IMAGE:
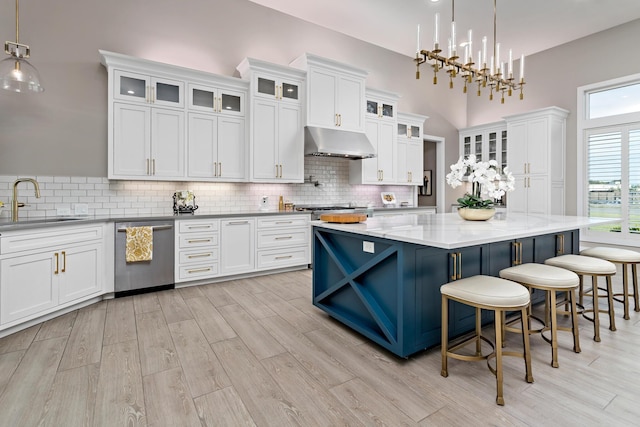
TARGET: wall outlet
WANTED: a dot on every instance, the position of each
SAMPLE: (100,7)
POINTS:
(368,247)
(81,209)
(264,202)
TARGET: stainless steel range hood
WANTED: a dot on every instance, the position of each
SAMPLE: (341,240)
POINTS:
(337,143)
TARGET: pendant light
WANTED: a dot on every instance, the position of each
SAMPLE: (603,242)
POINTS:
(16,73)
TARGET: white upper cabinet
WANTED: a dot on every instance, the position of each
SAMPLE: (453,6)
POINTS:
(148,137)
(335,93)
(277,121)
(147,89)
(210,99)
(410,150)
(487,142)
(381,132)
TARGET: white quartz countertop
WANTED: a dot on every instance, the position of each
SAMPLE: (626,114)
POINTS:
(449,231)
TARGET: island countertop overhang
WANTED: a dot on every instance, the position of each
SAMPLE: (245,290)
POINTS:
(449,231)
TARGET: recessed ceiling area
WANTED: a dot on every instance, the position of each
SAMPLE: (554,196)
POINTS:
(526,26)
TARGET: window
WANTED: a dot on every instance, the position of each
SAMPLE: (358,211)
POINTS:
(609,173)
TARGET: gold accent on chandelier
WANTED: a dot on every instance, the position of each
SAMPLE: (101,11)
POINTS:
(497,76)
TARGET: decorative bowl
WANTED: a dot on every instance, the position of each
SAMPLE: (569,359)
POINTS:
(476,214)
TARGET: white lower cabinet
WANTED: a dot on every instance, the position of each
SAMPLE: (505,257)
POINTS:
(237,240)
(42,271)
(283,241)
(197,254)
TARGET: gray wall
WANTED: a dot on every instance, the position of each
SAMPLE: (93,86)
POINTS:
(553,77)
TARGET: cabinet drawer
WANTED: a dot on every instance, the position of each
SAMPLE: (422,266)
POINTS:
(199,240)
(284,221)
(282,238)
(199,271)
(197,226)
(12,242)
(193,257)
(283,258)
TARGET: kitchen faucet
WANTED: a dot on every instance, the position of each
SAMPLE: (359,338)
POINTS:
(14,203)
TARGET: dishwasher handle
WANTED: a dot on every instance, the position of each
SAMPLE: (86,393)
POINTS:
(154,228)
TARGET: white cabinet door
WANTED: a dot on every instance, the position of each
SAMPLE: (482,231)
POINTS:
(538,194)
(81,272)
(350,106)
(232,160)
(29,285)
(145,89)
(237,246)
(265,136)
(131,140)
(167,143)
(537,146)
(322,87)
(415,162)
(403,167)
(518,149)
(387,151)
(291,142)
(517,200)
(202,146)
(370,170)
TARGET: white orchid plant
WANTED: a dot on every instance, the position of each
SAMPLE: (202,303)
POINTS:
(488,183)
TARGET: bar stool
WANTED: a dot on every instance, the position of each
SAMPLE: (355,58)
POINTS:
(594,267)
(623,257)
(550,280)
(490,293)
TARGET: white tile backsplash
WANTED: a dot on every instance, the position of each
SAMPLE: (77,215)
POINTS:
(105,197)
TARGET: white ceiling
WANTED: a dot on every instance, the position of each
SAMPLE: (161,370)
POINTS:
(525,26)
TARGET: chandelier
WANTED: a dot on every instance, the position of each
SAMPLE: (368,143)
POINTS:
(16,73)
(497,75)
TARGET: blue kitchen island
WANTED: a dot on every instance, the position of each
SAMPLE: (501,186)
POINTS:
(382,277)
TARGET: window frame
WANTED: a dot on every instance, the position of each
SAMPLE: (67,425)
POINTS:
(585,126)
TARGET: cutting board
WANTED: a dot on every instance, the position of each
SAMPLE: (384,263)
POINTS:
(343,218)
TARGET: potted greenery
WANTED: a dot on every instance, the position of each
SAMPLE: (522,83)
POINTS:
(487,183)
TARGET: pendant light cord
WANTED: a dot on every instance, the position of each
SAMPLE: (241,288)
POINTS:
(17,24)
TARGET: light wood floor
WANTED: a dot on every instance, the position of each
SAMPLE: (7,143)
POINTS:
(256,352)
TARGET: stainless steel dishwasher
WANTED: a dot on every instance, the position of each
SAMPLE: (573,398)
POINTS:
(146,276)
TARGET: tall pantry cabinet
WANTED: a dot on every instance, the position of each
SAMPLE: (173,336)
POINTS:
(536,146)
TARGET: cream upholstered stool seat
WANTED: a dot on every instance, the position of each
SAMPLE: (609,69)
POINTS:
(594,267)
(489,293)
(549,279)
(624,257)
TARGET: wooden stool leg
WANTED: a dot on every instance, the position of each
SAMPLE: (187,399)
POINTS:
(526,348)
(625,291)
(596,309)
(574,322)
(499,327)
(444,342)
(612,316)
(636,296)
(478,331)
(554,329)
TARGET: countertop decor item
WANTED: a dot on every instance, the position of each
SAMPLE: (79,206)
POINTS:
(487,185)
(388,198)
(343,218)
(16,73)
(184,202)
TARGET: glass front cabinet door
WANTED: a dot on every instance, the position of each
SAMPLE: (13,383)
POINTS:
(381,104)
(278,89)
(144,89)
(216,100)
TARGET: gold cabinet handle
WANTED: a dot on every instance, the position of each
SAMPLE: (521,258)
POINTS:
(459,265)
(560,242)
(64,262)
(219,168)
(199,270)
(277,171)
(284,238)
(153,94)
(284,257)
(199,255)
(191,227)
(215,168)
(340,119)
(238,222)
(280,171)
(454,256)
(146,94)
(335,119)
(148,170)
(57,261)
(198,240)
(284,222)
(153,166)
